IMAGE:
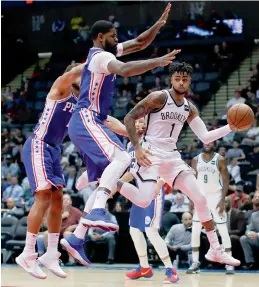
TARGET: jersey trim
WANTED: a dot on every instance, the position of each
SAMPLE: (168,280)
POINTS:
(207,161)
(175,101)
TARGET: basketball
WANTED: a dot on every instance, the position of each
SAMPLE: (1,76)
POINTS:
(240,117)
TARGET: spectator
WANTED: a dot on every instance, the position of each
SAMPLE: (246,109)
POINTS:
(250,241)
(5,136)
(180,205)
(237,99)
(12,210)
(127,86)
(8,166)
(98,236)
(119,207)
(14,191)
(157,86)
(235,151)
(253,157)
(236,223)
(239,197)
(222,151)
(193,148)
(8,91)
(252,136)
(6,181)
(234,170)
(169,219)
(179,236)
(172,197)
(70,180)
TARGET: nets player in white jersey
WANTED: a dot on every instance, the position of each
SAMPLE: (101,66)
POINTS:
(167,111)
(213,178)
(148,220)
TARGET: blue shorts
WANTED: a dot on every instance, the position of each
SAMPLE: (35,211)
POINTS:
(95,142)
(150,216)
(42,164)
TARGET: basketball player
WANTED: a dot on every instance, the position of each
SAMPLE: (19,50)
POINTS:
(97,143)
(148,220)
(167,111)
(213,179)
(41,157)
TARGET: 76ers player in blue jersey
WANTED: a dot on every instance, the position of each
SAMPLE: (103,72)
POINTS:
(86,128)
(41,157)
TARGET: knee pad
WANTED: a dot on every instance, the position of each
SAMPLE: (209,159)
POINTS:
(196,234)
(223,231)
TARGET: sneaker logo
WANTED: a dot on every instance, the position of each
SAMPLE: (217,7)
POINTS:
(144,273)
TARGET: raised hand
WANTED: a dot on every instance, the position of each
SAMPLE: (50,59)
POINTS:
(168,58)
(162,20)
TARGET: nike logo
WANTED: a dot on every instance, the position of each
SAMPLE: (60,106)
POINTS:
(144,273)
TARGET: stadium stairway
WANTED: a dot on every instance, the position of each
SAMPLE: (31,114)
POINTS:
(16,82)
(221,98)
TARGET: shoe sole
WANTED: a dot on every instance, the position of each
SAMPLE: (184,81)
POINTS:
(193,272)
(170,282)
(141,277)
(52,271)
(24,268)
(73,253)
(227,263)
(99,223)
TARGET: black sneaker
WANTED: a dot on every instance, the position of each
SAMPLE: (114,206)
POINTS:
(110,261)
(195,268)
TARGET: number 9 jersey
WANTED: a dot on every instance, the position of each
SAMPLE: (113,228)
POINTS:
(164,125)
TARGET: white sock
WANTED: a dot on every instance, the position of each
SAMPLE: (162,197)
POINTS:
(213,239)
(31,239)
(101,199)
(140,246)
(195,256)
(159,245)
(53,239)
(90,202)
(82,181)
(80,231)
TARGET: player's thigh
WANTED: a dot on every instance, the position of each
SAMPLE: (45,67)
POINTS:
(213,201)
(58,176)
(93,138)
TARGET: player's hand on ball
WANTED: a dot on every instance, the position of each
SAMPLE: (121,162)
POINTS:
(142,156)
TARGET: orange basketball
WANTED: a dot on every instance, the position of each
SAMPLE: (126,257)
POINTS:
(240,117)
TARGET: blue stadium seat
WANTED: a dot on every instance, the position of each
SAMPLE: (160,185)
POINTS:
(39,105)
(197,77)
(149,79)
(211,76)
(202,86)
(41,95)
(49,84)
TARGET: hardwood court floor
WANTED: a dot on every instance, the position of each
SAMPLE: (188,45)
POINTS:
(98,277)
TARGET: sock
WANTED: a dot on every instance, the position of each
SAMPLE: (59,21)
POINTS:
(30,243)
(159,245)
(80,231)
(101,199)
(53,239)
(140,246)
(195,256)
(213,239)
(90,202)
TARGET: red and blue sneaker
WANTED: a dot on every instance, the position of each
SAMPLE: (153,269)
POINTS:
(75,247)
(140,272)
(171,275)
(97,218)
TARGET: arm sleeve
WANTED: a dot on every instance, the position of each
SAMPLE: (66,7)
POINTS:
(198,127)
(99,62)
(119,50)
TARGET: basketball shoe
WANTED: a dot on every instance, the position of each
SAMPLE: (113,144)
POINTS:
(51,261)
(140,272)
(171,276)
(218,255)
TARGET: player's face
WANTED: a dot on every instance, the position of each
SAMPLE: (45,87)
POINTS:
(111,41)
(141,126)
(180,82)
(208,147)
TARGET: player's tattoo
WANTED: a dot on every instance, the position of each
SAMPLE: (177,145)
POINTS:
(153,101)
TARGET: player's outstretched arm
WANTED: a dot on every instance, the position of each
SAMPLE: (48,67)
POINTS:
(147,37)
(140,67)
(199,128)
(116,126)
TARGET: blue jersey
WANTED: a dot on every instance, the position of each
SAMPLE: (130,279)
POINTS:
(96,88)
(52,127)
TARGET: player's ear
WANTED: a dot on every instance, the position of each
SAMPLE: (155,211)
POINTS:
(100,37)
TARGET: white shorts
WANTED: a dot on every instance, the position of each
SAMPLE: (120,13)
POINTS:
(213,200)
(167,165)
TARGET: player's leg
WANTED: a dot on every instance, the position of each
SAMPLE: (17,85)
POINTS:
(93,138)
(196,233)
(152,224)
(187,183)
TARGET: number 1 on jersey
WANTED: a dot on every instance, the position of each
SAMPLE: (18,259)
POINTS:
(172,130)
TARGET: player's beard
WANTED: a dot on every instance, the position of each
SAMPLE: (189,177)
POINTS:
(183,92)
(111,48)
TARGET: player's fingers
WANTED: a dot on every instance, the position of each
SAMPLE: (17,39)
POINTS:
(148,152)
(148,161)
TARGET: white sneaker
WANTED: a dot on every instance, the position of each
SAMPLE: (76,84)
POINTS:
(218,255)
(30,264)
(230,270)
(52,263)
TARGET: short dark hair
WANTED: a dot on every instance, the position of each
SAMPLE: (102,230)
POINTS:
(70,67)
(101,26)
(180,68)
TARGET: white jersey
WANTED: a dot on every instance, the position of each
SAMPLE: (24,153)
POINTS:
(209,177)
(165,124)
